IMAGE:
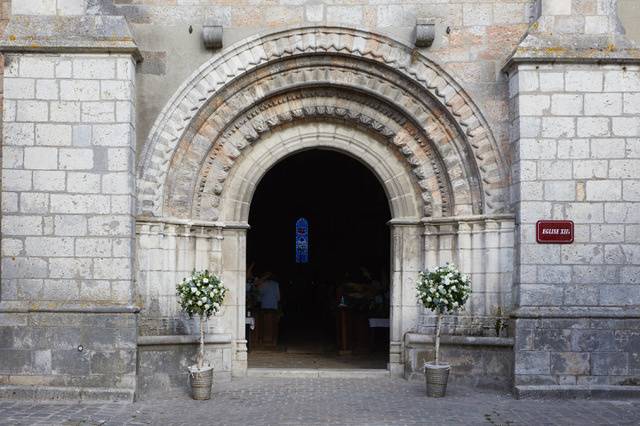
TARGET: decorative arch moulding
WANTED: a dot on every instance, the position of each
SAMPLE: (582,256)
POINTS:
(323,106)
(277,80)
(242,180)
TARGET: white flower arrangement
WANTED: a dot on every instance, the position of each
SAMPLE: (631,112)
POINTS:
(443,290)
(201,294)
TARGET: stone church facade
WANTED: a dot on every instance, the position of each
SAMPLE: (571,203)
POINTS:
(136,131)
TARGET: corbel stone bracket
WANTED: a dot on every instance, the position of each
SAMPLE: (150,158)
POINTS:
(69,34)
(212,34)
(425,32)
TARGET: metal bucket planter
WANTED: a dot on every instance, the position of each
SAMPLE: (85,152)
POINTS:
(201,380)
(437,376)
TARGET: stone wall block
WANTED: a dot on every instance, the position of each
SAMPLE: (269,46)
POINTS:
(584,81)
(552,340)
(592,340)
(72,362)
(119,362)
(581,295)
(573,363)
(21,267)
(610,363)
(14,361)
(532,363)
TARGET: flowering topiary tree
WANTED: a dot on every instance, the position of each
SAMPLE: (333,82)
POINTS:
(443,290)
(201,294)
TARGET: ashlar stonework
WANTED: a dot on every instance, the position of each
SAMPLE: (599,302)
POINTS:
(131,153)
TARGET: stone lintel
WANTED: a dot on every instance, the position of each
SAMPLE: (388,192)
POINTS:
(531,312)
(69,34)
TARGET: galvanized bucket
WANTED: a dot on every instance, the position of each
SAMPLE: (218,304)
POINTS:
(437,376)
(201,380)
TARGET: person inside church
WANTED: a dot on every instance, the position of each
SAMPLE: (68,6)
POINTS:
(269,291)
(269,317)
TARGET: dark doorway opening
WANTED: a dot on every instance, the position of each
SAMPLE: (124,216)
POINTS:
(334,309)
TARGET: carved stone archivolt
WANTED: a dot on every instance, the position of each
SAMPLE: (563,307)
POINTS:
(358,79)
(383,124)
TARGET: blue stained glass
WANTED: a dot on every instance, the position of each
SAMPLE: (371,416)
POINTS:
(302,241)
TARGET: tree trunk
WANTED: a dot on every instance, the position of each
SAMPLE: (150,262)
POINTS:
(200,357)
(438,324)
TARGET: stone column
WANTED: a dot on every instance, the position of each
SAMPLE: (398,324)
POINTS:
(234,258)
(68,203)
(575,96)
(406,261)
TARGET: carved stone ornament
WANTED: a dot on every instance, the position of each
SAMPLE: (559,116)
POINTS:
(368,82)
(425,32)
(212,34)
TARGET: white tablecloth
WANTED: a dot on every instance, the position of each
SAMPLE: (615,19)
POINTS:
(378,322)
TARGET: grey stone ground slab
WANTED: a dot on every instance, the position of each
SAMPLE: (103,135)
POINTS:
(372,401)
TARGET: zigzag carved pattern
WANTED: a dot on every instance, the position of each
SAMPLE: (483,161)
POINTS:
(379,49)
(254,129)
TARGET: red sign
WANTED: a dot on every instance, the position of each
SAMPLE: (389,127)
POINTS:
(554,231)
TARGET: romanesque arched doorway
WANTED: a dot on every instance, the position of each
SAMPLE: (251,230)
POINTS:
(378,159)
(355,92)
(320,239)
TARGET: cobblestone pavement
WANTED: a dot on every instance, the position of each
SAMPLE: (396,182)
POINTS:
(327,401)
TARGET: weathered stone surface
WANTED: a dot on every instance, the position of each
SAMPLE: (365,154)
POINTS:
(45,351)
(32,33)
(164,368)
(448,136)
(570,363)
(478,364)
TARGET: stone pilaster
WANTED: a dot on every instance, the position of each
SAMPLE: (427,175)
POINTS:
(167,251)
(406,260)
(574,87)
(68,203)
(481,246)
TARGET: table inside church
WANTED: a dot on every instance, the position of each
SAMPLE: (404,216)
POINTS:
(262,329)
(355,331)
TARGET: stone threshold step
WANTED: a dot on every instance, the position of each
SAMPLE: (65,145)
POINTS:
(306,373)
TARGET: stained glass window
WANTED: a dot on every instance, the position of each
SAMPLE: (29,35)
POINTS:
(302,241)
